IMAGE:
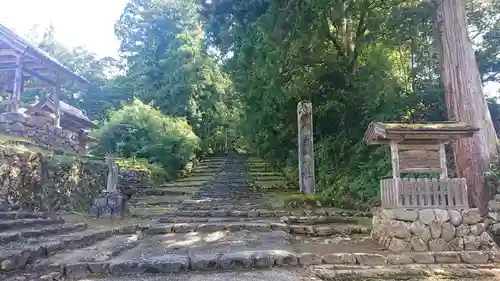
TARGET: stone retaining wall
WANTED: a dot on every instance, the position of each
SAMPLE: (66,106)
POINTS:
(41,183)
(436,230)
(40,131)
(493,218)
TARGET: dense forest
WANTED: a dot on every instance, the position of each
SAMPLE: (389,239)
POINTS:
(191,69)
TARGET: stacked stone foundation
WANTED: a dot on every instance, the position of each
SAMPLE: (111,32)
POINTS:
(39,131)
(432,230)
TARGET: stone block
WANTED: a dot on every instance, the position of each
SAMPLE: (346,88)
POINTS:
(448,257)
(340,258)
(423,258)
(370,259)
(204,262)
(77,270)
(475,257)
(236,260)
(284,258)
(263,259)
(309,259)
(166,264)
(399,259)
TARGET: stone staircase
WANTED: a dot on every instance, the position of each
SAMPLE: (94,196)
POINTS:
(28,239)
(131,183)
(214,221)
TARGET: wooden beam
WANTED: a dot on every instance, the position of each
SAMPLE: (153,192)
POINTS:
(13,65)
(9,52)
(37,86)
(18,86)
(40,77)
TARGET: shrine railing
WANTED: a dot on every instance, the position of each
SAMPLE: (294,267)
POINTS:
(424,193)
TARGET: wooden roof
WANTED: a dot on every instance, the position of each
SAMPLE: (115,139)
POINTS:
(37,63)
(66,110)
(382,133)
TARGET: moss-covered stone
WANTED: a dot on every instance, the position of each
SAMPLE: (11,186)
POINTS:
(49,183)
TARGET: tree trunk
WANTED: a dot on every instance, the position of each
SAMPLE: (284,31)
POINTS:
(464,97)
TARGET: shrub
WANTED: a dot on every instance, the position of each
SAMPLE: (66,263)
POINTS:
(141,131)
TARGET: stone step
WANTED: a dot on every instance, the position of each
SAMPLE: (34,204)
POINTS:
(241,206)
(321,230)
(15,235)
(99,252)
(23,215)
(223,213)
(20,223)
(464,272)
(18,254)
(176,219)
(134,185)
(165,191)
(158,256)
(313,220)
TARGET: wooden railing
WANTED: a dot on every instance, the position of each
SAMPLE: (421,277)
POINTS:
(424,193)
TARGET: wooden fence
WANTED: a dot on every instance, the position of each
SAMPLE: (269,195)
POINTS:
(424,193)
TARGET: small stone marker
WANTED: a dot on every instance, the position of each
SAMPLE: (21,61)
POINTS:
(306,147)
(111,203)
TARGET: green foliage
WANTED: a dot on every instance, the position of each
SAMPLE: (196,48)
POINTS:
(153,171)
(240,67)
(357,61)
(141,131)
(170,67)
(303,201)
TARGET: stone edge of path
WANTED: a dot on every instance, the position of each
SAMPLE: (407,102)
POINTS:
(277,258)
(271,212)
(314,230)
(391,272)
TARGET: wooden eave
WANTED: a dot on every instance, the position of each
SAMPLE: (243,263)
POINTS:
(36,62)
(417,133)
(68,115)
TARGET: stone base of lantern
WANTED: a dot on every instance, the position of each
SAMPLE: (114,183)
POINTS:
(434,230)
(109,206)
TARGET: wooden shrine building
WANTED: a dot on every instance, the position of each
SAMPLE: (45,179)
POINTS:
(50,122)
(25,67)
(420,149)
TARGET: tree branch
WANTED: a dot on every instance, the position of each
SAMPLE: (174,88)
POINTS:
(360,31)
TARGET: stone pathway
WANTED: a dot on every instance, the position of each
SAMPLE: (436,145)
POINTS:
(214,221)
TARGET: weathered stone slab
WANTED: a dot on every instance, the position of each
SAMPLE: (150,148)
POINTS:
(204,262)
(370,259)
(339,258)
(166,264)
(309,259)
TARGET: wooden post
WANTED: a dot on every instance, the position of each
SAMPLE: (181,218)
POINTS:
(57,92)
(225,140)
(306,147)
(442,162)
(15,96)
(395,159)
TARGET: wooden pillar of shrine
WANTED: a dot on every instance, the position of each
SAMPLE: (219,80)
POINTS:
(15,96)
(57,93)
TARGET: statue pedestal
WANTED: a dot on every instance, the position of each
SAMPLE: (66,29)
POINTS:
(109,205)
